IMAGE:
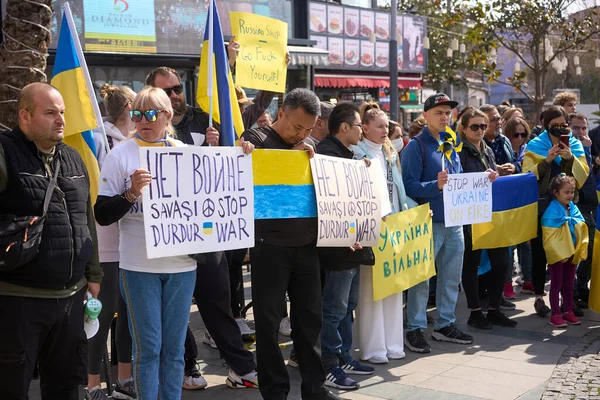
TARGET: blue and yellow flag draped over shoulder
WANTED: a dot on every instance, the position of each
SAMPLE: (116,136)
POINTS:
(71,81)
(537,151)
(225,107)
(564,236)
(594,299)
(514,213)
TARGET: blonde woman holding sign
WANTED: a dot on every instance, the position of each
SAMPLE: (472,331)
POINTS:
(380,330)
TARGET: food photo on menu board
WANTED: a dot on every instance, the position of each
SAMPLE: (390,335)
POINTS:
(367,53)
(367,23)
(336,51)
(382,54)
(335,16)
(351,21)
(352,52)
(382,26)
(321,42)
(318,17)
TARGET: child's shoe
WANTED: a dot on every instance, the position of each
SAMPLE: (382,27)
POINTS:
(571,319)
(558,321)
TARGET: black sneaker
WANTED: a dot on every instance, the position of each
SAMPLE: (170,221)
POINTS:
(541,308)
(415,341)
(496,317)
(452,334)
(507,305)
(576,310)
(124,391)
(477,320)
(581,303)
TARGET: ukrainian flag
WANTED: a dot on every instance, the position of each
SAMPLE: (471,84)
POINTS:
(594,300)
(537,151)
(564,236)
(514,211)
(225,108)
(283,185)
(72,80)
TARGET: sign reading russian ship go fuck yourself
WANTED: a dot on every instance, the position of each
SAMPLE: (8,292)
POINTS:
(349,201)
(201,199)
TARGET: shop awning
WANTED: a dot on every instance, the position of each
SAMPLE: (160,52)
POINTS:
(301,55)
(337,81)
(412,107)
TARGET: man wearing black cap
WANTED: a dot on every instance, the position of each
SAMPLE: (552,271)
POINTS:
(425,171)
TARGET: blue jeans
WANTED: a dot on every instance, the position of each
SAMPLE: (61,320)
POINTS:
(449,248)
(159,310)
(340,298)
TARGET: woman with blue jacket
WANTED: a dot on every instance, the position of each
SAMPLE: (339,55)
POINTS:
(380,329)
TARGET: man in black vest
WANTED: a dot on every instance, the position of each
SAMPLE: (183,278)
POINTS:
(41,303)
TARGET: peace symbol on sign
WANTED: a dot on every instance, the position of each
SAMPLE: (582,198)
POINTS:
(208,208)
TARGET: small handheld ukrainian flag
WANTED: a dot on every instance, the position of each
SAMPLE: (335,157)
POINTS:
(82,114)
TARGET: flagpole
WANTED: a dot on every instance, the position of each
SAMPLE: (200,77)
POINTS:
(86,74)
(209,87)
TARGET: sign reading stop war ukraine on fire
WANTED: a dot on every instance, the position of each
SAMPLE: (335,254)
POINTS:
(201,199)
(405,255)
(348,201)
(468,199)
(263,42)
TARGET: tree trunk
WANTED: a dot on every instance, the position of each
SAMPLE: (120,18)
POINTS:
(23,53)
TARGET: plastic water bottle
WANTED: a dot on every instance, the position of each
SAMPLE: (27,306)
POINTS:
(91,310)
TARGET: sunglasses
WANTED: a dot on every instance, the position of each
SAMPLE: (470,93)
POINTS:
(476,127)
(520,134)
(559,126)
(151,115)
(178,89)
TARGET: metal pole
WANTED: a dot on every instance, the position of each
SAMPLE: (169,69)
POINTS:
(394,65)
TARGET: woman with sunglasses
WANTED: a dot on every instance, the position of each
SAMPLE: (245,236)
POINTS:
(158,292)
(553,152)
(476,156)
(118,127)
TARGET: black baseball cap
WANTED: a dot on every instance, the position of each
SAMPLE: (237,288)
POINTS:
(439,99)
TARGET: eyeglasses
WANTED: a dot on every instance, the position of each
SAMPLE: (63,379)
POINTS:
(559,126)
(178,89)
(520,134)
(579,128)
(151,115)
(476,127)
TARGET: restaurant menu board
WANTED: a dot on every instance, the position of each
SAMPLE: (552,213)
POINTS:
(382,55)
(382,26)
(321,41)
(351,21)
(358,38)
(156,26)
(415,57)
(352,52)
(335,18)
(367,23)
(336,51)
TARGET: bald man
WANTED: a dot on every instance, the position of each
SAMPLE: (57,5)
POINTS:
(41,302)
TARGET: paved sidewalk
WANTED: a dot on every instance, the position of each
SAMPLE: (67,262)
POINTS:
(502,363)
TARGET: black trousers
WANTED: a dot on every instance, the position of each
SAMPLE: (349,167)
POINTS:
(236,280)
(214,303)
(538,262)
(295,269)
(500,261)
(112,301)
(46,332)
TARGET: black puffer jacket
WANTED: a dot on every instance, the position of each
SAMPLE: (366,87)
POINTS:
(474,160)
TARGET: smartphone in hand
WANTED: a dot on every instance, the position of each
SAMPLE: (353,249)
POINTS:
(564,141)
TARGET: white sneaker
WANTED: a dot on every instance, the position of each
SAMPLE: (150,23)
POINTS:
(208,340)
(285,327)
(519,281)
(244,328)
(234,381)
(192,380)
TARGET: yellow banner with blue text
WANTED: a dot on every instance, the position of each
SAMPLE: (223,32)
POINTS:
(404,256)
(263,43)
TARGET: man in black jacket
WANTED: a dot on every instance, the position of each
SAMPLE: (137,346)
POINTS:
(41,302)
(340,294)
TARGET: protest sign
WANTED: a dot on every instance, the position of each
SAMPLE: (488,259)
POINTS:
(201,199)
(404,255)
(263,42)
(467,199)
(348,201)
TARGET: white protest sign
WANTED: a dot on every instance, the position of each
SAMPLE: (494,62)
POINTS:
(467,199)
(348,201)
(201,199)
